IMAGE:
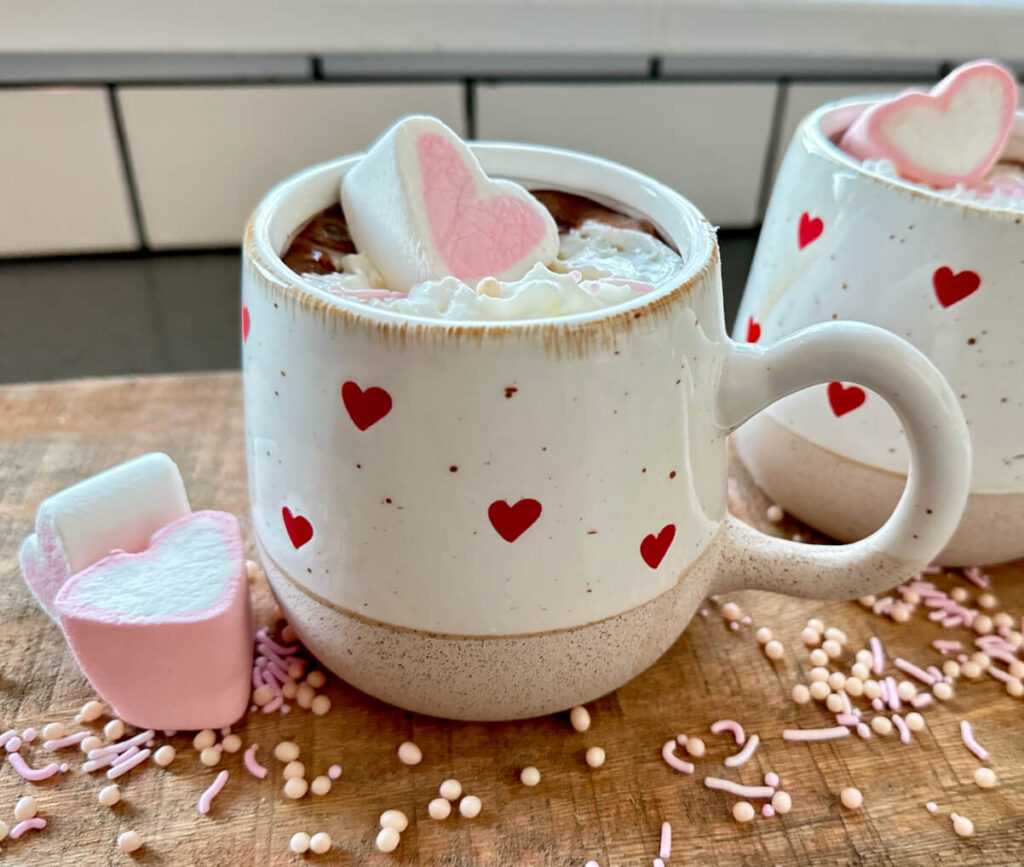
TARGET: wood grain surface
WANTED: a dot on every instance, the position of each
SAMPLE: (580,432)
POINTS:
(53,435)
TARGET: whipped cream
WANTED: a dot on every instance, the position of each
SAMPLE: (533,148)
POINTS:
(597,266)
(1002,188)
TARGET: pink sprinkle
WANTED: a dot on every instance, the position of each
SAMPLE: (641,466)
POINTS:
(736,789)
(878,654)
(961,658)
(273,704)
(914,671)
(968,738)
(121,746)
(638,286)
(6,736)
(974,576)
(864,730)
(704,612)
(681,740)
(731,726)
(279,672)
(932,807)
(828,734)
(257,677)
(334,771)
(207,797)
(286,708)
(955,620)
(921,700)
(932,570)
(746,620)
(668,753)
(13,745)
(767,810)
(254,767)
(894,696)
(901,726)
(883,606)
(33,775)
(744,754)
(877,704)
(270,680)
(935,672)
(734,626)
(101,762)
(846,719)
(944,646)
(1001,655)
(847,708)
(576,276)
(657,862)
(271,655)
(715,597)
(29,735)
(126,766)
(69,741)
(284,650)
(1000,675)
(36,823)
(771,779)
(666,840)
(127,754)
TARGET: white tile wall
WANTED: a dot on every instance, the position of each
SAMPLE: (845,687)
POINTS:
(706,140)
(62,185)
(203,157)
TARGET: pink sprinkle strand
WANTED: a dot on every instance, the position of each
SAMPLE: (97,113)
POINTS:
(207,797)
(894,695)
(968,738)
(731,726)
(877,654)
(8,735)
(744,754)
(973,575)
(29,735)
(666,840)
(914,671)
(901,726)
(864,730)
(921,700)
(274,704)
(121,746)
(33,775)
(69,741)
(123,757)
(736,789)
(944,646)
(829,734)
(667,753)
(251,765)
(126,766)
(34,824)
(846,719)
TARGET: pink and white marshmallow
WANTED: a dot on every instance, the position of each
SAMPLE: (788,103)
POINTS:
(165,635)
(951,135)
(419,205)
(118,509)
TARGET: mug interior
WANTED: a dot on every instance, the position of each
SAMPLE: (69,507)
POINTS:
(823,127)
(290,204)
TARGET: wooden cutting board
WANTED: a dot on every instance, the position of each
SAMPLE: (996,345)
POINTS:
(53,435)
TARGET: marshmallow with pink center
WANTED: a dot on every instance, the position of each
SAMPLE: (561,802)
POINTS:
(165,635)
(952,135)
(117,509)
(420,207)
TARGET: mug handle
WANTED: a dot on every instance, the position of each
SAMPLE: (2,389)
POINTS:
(940,461)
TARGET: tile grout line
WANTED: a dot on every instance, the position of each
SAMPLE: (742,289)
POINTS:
(127,167)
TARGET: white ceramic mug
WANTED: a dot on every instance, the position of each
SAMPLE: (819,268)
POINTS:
(488,521)
(840,243)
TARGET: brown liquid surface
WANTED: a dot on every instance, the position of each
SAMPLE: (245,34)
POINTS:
(319,245)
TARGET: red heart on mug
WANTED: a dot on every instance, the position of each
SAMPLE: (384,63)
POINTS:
(653,548)
(512,521)
(365,408)
(950,287)
(809,230)
(299,530)
(753,330)
(245,323)
(844,399)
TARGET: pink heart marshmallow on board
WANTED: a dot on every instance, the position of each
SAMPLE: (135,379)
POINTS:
(952,135)
(165,635)
(419,205)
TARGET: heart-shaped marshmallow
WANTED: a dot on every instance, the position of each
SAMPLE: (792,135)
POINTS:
(419,205)
(952,135)
(118,508)
(165,636)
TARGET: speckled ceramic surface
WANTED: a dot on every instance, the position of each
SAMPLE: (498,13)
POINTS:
(839,243)
(528,489)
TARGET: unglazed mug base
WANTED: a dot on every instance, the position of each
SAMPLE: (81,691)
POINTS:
(454,676)
(857,498)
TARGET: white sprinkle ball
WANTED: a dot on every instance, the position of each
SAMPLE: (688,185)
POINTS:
(321,785)
(951,668)
(985,778)
(867,601)
(837,680)
(1014,687)
(942,691)
(982,658)
(388,839)
(579,716)
(288,634)
(914,721)
(782,802)
(1003,620)
(835,703)
(818,657)
(854,687)
(113,730)
(811,637)
(286,751)
(881,725)
(774,650)
(90,743)
(982,624)
(439,808)
(987,600)
(470,806)
(864,656)
(320,843)
(294,770)
(963,826)
(321,704)
(109,795)
(851,798)
(595,757)
(409,753)
(26,808)
(295,670)
(1017,668)
(394,819)
(763,635)
(860,671)
(53,731)
(290,689)
(801,694)
(165,755)
(299,843)
(731,611)
(296,787)
(529,776)
(261,696)
(900,613)
(129,841)
(832,647)
(316,679)
(819,672)
(834,634)
(872,689)
(743,811)
(4,830)
(231,743)
(695,747)
(906,690)
(450,790)
(820,690)
(210,756)
(960,594)
(774,513)
(971,670)
(304,696)
(91,710)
